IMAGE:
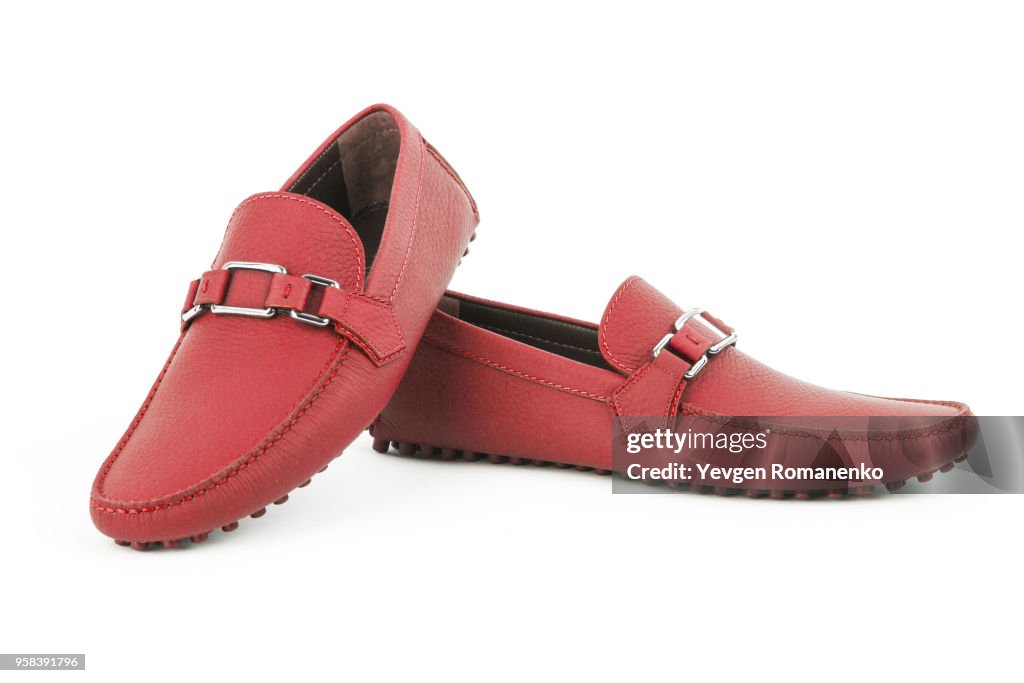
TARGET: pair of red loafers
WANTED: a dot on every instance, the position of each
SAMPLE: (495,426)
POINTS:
(325,313)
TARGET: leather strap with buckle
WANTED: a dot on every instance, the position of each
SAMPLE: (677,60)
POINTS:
(696,342)
(367,322)
(655,389)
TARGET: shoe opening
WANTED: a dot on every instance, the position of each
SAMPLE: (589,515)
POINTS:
(354,176)
(562,337)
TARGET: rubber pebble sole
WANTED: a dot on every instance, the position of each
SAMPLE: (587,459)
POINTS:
(176,542)
(199,538)
(409,449)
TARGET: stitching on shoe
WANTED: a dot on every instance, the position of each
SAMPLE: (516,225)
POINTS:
(605,322)
(232,472)
(348,151)
(347,229)
(962,410)
(494,328)
(313,163)
(415,223)
(676,379)
(365,344)
(320,179)
(454,176)
(690,410)
(668,411)
(630,382)
(344,154)
(512,371)
(333,143)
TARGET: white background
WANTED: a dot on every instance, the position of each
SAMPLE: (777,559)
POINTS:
(839,181)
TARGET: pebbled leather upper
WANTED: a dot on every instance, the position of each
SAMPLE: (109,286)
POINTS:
(233,378)
(733,382)
(634,319)
(246,408)
(509,389)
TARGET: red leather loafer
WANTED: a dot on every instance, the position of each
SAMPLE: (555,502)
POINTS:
(508,383)
(295,339)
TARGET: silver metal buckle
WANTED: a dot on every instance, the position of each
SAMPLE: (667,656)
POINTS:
(309,318)
(244,310)
(192,312)
(713,350)
(269,312)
